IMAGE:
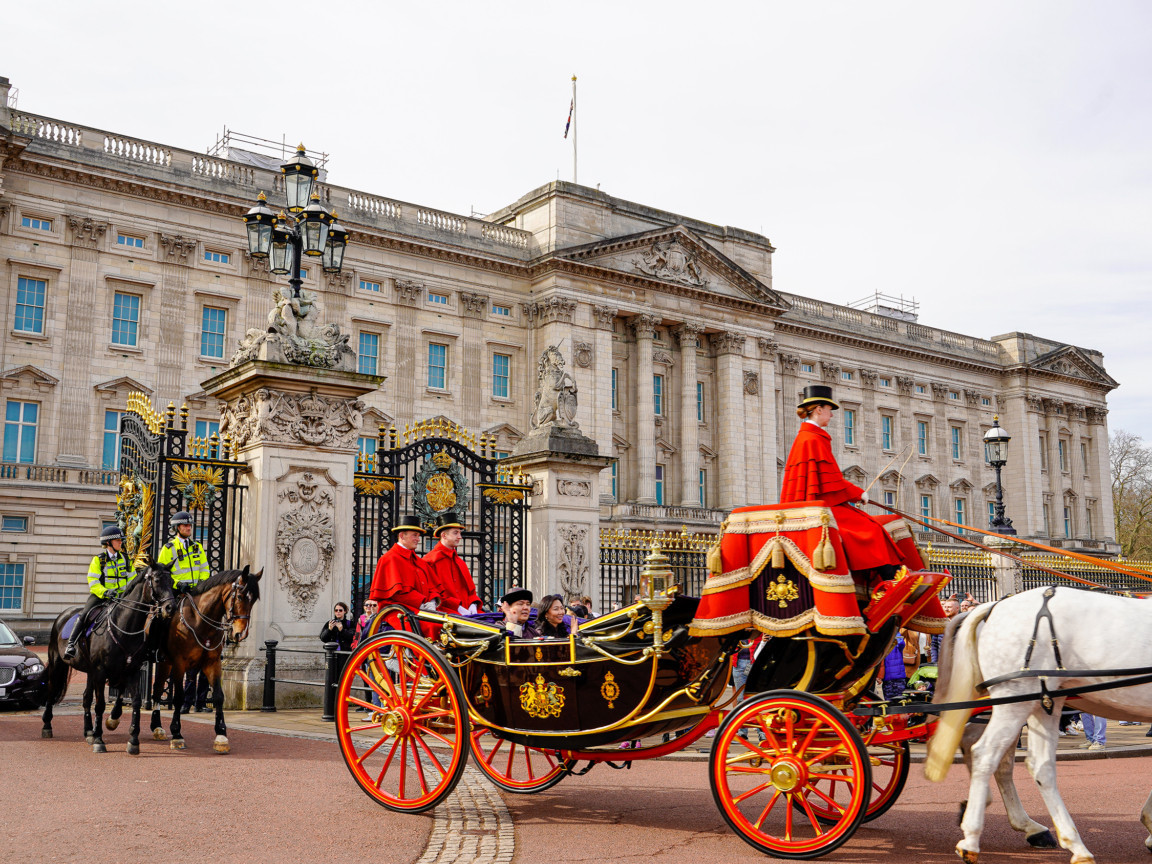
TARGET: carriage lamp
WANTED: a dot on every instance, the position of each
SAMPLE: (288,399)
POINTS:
(996,453)
(279,260)
(260,221)
(300,175)
(655,591)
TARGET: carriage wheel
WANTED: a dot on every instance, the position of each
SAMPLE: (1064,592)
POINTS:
(514,767)
(764,788)
(409,752)
(889,774)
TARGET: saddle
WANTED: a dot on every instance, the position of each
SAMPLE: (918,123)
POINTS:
(95,619)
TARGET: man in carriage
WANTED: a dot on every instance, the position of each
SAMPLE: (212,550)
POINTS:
(449,570)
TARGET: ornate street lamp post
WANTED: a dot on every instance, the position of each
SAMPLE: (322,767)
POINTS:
(311,230)
(996,453)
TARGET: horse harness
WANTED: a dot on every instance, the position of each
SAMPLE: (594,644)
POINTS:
(222,626)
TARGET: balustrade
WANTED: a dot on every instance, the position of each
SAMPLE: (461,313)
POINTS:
(137,151)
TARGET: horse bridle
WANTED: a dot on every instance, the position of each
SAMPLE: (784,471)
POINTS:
(222,626)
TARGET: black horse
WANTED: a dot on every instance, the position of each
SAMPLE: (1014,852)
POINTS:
(125,632)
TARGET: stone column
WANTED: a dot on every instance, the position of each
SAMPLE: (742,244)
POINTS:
(408,343)
(730,418)
(604,320)
(644,326)
(789,422)
(474,358)
(296,427)
(769,488)
(687,334)
(1100,473)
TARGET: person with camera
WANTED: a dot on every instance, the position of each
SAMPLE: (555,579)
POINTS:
(339,628)
(108,576)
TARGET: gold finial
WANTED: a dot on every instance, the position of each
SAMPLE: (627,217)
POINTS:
(262,197)
(214,446)
(392,437)
(183,416)
(171,415)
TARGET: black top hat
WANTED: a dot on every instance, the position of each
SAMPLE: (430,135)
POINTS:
(408,523)
(446,520)
(517,594)
(817,394)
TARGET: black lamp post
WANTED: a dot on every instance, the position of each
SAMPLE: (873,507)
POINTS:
(311,229)
(996,453)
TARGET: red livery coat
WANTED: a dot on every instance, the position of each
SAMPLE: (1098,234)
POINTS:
(402,577)
(812,474)
(452,577)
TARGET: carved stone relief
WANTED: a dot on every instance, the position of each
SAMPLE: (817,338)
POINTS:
(573,488)
(177,247)
(661,356)
(768,347)
(473,305)
(86,231)
(256,266)
(305,541)
(294,335)
(688,334)
(1053,406)
(582,354)
(1035,403)
(554,309)
(972,397)
(672,262)
(1097,415)
(408,291)
(789,363)
(573,564)
(728,343)
(751,383)
(643,325)
(939,391)
(830,372)
(904,383)
(339,283)
(273,416)
(604,317)
(555,400)
(868,377)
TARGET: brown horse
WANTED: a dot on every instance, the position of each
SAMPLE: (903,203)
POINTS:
(206,618)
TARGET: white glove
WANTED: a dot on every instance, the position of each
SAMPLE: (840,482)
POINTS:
(472,610)
(429,606)
(463,610)
(863,497)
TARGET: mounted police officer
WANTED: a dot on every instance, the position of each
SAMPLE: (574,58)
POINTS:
(187,556)
(108,576)
(189,562)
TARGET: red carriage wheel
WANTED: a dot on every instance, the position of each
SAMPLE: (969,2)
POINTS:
(514,767)
(409,751)
(889,774)
(773,755)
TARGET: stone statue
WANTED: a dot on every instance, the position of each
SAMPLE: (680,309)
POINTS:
(555,403)
(295,335)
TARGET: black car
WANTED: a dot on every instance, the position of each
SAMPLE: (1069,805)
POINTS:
(22,673)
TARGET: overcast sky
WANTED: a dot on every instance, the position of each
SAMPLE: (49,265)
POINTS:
(990,159)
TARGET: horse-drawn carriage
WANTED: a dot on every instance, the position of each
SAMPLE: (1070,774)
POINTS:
(792,770)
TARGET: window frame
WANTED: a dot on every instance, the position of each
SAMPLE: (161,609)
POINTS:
(923,437)
(658,394)
(377,287)
(438,298)
(956,442)
(135,324)
(506,377)
(501,310)
(222,258)
(21,424)
(700,403)
(46,223)
(849,427)
(223,334)
(887,432)
(21,589)
(17,306)
(104,441)
(138,241)
(443,385)
(360,354)
(659,485)
(615,389)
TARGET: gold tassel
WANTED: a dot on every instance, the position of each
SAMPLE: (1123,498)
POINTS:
(818,556)
(829,556)
(715,564)
(777,553)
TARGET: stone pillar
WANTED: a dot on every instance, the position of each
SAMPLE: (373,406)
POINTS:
(789,422)
(730,418)
(475,358)
(604,320)
(769,491)
(564,522)
(644,326)
(688,334)
(1009,578)
(297,429)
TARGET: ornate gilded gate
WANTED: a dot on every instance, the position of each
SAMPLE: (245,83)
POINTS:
(438,469)
(164,470)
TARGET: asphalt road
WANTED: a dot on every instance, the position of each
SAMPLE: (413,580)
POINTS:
(283,799)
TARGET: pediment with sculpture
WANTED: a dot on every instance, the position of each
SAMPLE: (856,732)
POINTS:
(1072,362)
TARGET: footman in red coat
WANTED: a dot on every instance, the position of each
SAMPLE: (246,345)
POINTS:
(457,590)
(401,576)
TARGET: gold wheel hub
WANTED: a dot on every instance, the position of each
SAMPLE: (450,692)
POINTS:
(787,775)
(393,722)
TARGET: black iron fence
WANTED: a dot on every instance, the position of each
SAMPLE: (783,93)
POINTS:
(622,555)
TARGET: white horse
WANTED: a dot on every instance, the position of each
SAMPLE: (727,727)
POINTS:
(1086,631)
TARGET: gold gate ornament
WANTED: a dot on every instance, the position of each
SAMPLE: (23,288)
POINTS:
(441,492)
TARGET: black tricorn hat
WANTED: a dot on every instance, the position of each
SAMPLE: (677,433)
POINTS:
(817,394)
(447,520)
(517,594)
(408,523)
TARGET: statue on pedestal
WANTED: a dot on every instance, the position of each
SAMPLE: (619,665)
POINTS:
(555,403)
(295,335)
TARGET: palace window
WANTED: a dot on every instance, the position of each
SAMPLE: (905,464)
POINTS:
(847,376)
(922,437)
(991,511)
(890,498)
(920,388)
(501,371)
(658,395)
(366,445)
(1088,522)
(984,400)
(957,441)
(885,432)
(885,382)
(849,427)
(703,487)
(1043,452)
(1062,452)
(925,506)
(368,354)
(1084,457)
(217,257)
(30,305)
(807,367)
(205,429)
(20,420)
(615,474)
(615,379)
(660,485)
(437,366)
(130,241)
(437,298)
(953,394)
(212,328)
(369,285)
(14,524)
(699,401)
(36,223)
(110,459)
(960,514)
(1047,520)
(11,586)
(125,319)
(1067,521)
(505,311)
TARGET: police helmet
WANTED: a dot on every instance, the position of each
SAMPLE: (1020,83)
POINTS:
(181,518)
(112,532)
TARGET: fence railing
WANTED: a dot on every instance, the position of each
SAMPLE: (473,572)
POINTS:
(28,472)
(622,555)
(972,572)
(1033,577)
(334,661)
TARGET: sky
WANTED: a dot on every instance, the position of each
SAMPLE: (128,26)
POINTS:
(989,159)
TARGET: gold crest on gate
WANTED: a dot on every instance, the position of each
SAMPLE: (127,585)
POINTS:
(540,699)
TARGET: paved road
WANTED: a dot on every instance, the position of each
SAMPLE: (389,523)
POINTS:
(279,798)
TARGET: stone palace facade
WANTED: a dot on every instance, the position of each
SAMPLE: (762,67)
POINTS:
(125,268)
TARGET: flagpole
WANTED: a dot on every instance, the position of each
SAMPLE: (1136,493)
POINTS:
(574,125)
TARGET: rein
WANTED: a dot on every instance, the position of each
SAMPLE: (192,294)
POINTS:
(222,626)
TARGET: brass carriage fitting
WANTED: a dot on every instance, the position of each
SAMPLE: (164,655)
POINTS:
(655,593)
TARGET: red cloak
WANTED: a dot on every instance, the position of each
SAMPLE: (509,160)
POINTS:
(812,474)
(451,576)
(402,577)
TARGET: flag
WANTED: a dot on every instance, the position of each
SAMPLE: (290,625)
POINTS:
(568,125)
